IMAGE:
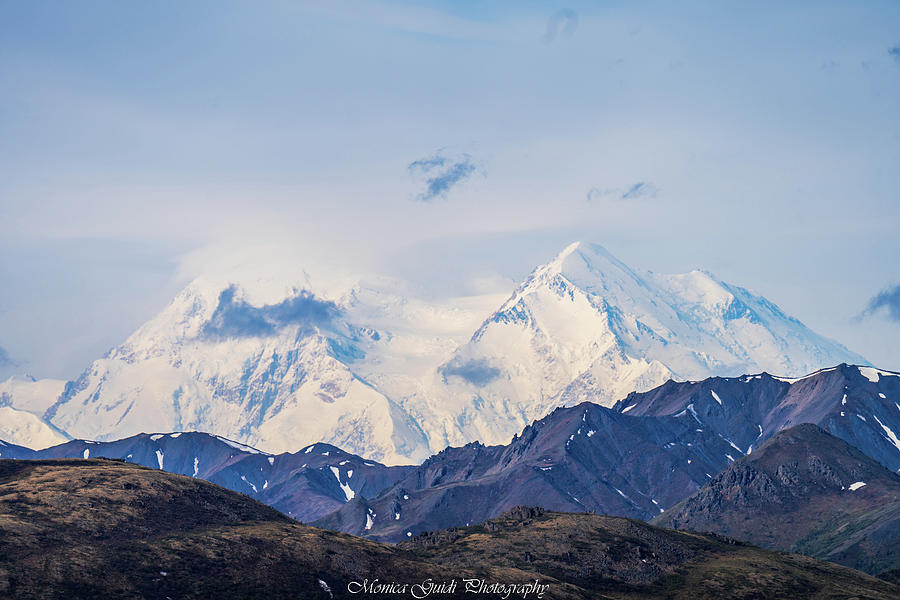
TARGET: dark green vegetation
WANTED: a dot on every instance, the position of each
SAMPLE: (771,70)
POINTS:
(106,529)
(796,493)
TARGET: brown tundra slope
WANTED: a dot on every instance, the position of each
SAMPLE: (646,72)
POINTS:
(106,529)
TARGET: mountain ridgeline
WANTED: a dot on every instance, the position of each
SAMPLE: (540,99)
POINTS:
(396,378)
(640,457)
(860,405)
(305,485)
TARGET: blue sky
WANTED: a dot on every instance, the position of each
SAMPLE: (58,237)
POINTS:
(756,140)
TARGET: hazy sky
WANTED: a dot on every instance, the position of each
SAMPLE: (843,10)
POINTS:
(454,143)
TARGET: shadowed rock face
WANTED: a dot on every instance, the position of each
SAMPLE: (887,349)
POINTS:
(306,485)
(584,458)
(8,450)
(860,405)
(646,454)
(807,491)
(106,529)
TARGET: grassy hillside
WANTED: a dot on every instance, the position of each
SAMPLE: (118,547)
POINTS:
(624,558)
(105,529)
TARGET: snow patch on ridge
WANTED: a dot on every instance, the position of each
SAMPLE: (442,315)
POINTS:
(889,432)
(244,479)
(349,494)
(239,446)
(869,373)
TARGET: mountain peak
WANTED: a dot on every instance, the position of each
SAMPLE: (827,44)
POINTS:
(802,490)
(248,355)
(590,267)
(584,251)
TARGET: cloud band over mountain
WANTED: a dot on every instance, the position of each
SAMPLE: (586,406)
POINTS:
(235,318)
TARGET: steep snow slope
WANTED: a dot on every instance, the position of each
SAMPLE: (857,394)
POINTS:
(587,327)
(280,361)
(30,394)
(272,365)
(23,401)
(25,429)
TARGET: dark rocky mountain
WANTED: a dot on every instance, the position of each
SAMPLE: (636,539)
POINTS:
(860,405)
(306,485)
(8,450)
(646,454)
(98,528)
(807,491)
(584,458)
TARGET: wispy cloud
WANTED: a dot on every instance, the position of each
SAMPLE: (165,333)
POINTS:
(562,23)
(895,53)
(889,300)
(235,318)
(636,191)
(441,174)
(641,189)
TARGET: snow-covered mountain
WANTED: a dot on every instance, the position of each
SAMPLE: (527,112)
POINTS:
(280,362)
(23,402)
(586,327)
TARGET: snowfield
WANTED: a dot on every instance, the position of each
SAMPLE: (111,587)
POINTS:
(279,363)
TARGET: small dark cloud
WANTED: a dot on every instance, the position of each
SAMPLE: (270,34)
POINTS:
(889,300)
(441,174)
(235,318)
(895,54)
(477,372)
(5,360)
(641,189)
(562,23)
